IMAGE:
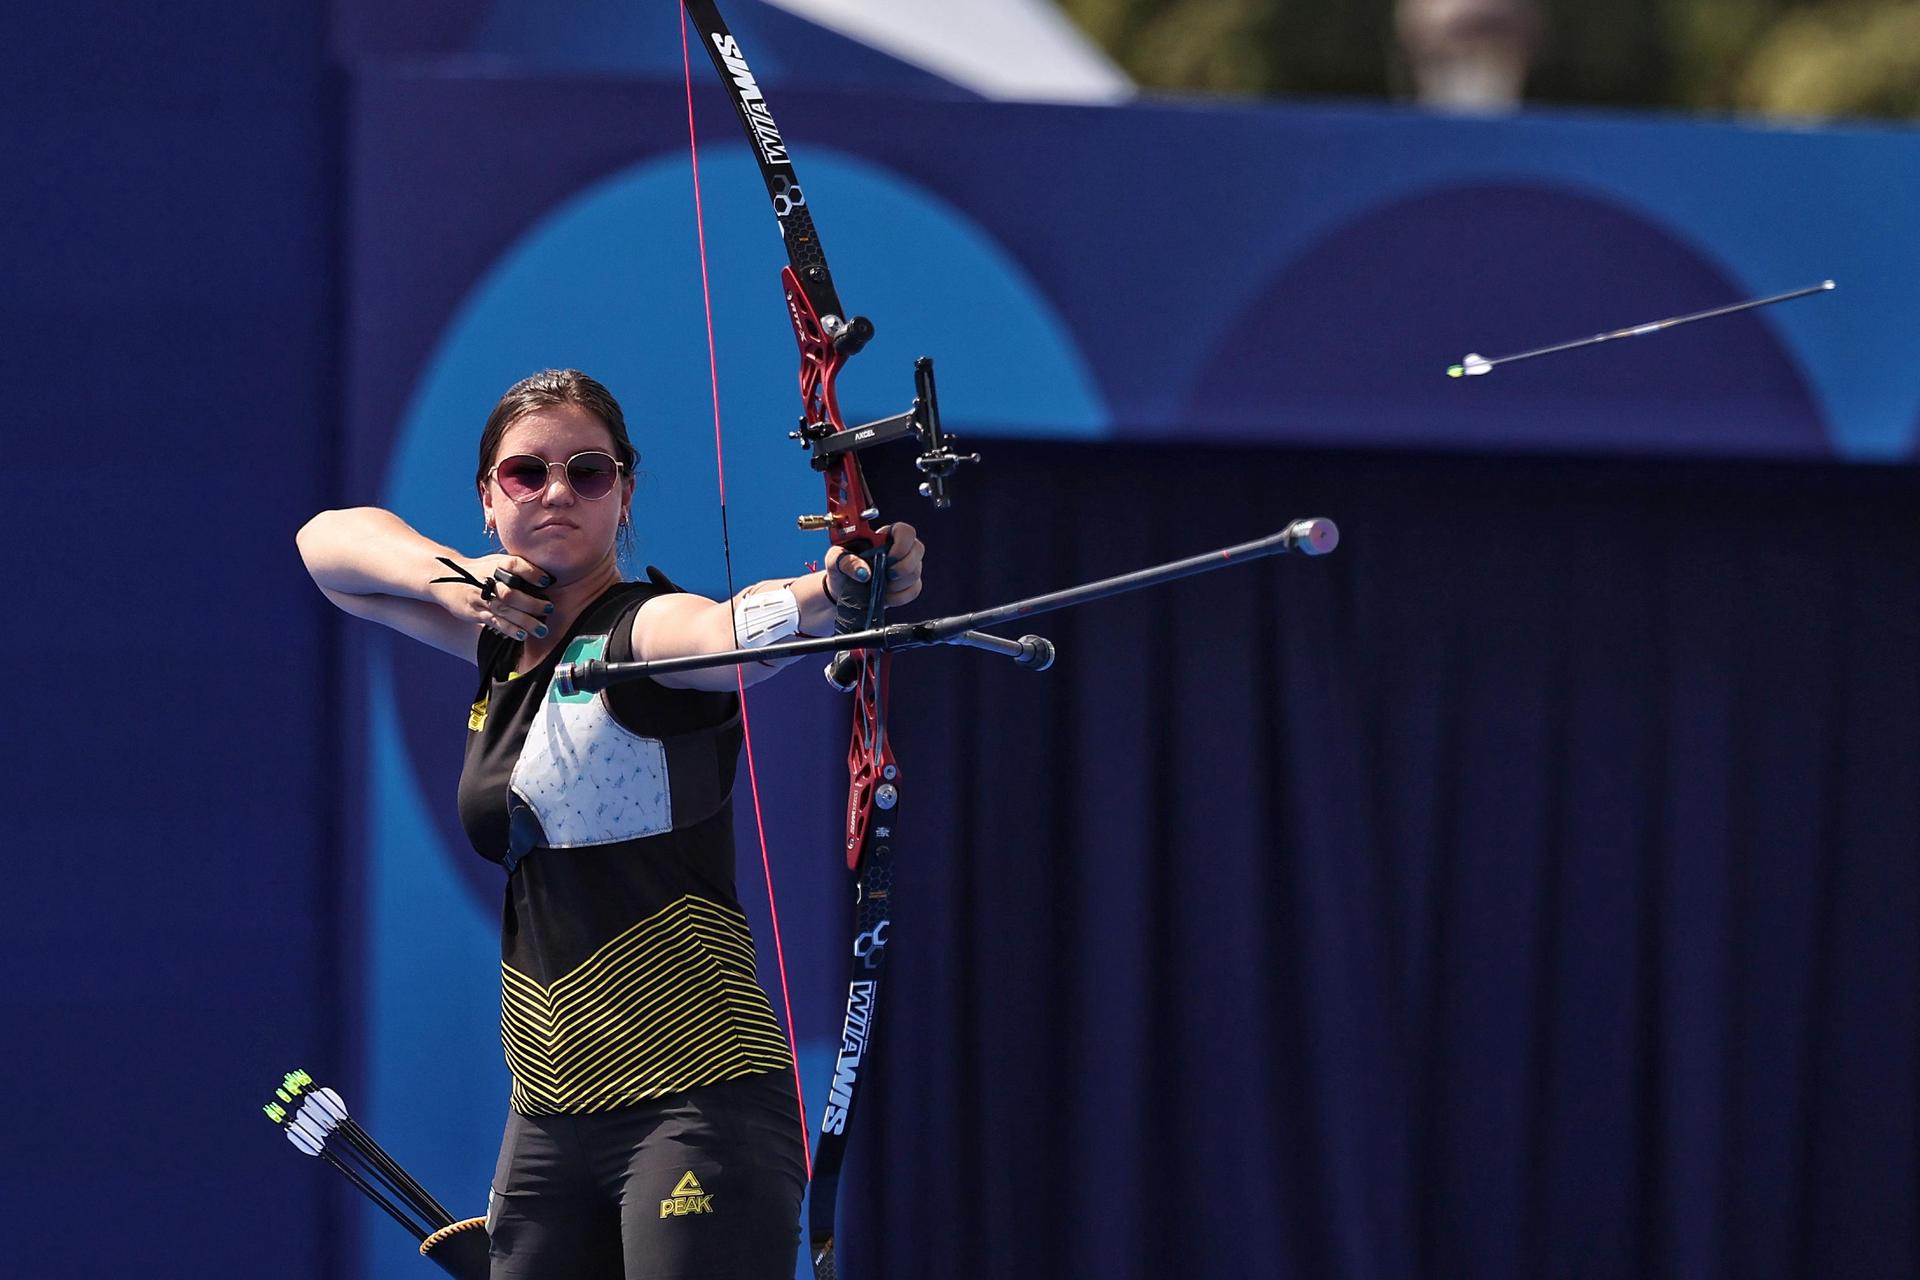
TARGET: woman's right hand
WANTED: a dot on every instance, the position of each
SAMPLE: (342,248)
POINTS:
(372,565)
(509,611)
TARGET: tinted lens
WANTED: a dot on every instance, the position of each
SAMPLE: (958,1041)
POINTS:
(592,474)
(522,477)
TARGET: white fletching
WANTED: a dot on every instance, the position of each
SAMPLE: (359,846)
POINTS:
(1476,364)
(315,1117)
(313,1126)
(324,1108)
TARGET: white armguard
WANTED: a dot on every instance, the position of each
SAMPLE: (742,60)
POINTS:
(763,617)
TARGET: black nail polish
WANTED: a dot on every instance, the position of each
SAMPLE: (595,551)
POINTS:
(549,611)
(546,579)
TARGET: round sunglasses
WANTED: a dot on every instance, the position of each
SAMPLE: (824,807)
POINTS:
(523,477)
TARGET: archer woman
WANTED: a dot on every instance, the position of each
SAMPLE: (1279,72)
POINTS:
(652,1127)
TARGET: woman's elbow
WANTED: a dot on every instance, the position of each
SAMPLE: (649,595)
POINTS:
(313,539)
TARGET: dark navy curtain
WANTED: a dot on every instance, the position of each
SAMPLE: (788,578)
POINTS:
(1529,888)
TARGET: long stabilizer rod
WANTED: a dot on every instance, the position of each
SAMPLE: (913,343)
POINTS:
(1313,536)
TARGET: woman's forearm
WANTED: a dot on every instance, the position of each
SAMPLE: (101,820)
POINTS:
(679,626)
(365,551)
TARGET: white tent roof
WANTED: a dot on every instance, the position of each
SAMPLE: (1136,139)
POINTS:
(1024,50)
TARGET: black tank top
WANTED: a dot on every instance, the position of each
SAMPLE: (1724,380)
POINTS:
(627,967)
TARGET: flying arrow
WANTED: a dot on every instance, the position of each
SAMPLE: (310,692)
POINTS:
(1474,365)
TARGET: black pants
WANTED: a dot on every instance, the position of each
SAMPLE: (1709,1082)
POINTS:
(702,1185)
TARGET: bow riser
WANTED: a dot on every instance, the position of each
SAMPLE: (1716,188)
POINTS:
(850,509)
(850,515)
(873,778)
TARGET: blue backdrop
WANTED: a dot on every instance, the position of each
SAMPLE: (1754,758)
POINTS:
(174,939)
(1523,889)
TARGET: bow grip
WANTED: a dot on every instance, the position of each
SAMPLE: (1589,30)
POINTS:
(860,609)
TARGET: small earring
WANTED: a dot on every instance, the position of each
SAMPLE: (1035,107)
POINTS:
(625,521)
(491,535)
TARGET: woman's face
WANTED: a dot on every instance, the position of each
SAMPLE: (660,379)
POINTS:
(559,530)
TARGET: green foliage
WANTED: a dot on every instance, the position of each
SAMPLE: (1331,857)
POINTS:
(1810,58)
(1859,59)
(1246,47)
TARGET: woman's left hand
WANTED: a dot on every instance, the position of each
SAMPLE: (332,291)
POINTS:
(905,552)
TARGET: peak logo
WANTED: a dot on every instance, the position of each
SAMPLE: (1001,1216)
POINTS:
(687,1198)
(753,106)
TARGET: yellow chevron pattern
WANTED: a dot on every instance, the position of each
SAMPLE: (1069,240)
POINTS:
(670,1004)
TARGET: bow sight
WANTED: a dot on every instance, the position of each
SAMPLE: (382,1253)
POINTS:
(937,460)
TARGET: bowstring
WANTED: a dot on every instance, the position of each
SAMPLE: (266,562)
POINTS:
(726,548)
